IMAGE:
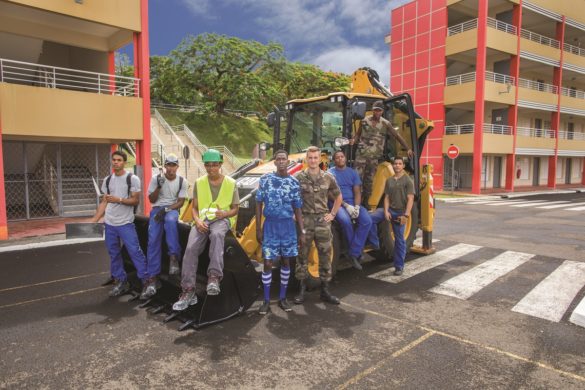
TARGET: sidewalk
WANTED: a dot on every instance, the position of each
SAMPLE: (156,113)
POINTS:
(462,196)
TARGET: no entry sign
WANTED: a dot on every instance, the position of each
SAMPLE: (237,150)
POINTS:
(452,152)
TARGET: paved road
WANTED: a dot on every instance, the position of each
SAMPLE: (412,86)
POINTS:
(431,328)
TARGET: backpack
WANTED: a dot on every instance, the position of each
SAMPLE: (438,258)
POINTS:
(180,184)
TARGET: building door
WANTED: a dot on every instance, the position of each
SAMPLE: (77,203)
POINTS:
(568,170)
(538,127)
(570,130)
(536,172)
(497,171)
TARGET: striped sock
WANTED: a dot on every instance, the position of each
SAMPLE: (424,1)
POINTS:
(284,275)
(266,280)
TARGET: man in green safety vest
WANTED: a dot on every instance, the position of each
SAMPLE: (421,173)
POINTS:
(215,206)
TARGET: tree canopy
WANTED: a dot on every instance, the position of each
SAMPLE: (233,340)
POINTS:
(229,72)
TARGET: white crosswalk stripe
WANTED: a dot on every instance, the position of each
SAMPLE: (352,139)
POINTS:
(468,283)
(565,205)
(425,263)
(556,206)
(551,298)
(576,209)
(539,203)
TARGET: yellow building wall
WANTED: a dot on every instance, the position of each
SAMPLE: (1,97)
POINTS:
(534,142)
(118,13)
(533,95)
(501,41)
(572,102)
(460,93)
(461,42)
(497,143)
(573,59)
(564,7)
(61,115)
(500,93)
(571,144)
(539,49)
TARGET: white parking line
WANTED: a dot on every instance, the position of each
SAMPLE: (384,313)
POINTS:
(576,209)
(539,204)
(551,298)
(468,283)
(425,263)
(557,206)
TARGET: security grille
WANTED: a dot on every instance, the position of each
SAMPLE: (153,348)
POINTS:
(44,180)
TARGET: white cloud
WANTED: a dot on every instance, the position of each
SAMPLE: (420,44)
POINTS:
(348,59)
(199,7)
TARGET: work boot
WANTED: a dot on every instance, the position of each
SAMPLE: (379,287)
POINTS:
(300,298)
(213,285)
(174,268)
(355,263)
(264,308)
(186,299)
(149,288)
(284,305)
(397,271)
(326,295)
(120,287)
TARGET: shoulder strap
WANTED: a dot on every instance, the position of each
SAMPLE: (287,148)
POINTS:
(108,184)
(180,185)
(129,182)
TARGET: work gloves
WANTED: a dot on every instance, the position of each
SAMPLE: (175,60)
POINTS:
(160,180)
(353,211)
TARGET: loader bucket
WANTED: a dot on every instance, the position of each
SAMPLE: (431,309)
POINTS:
(240,285)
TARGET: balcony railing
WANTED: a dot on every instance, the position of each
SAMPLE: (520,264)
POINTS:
(536,133)
(462,27)
(497,129)
(502,26)
(534,37)
(538,86)
(499,78)
(572,135)
(574,49)
(460,79)
(37,75)
(470,129)
(573,93)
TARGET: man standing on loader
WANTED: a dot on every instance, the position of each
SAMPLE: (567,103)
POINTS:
(280,196)
(166,192)
(370,138)
(122,191)
(215,206)
(316,187)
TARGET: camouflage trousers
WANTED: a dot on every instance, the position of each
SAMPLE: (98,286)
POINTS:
(366,169)
(318,230)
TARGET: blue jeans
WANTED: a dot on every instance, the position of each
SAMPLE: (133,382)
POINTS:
(356,239)
(127,234)
(399,253)
(170,225)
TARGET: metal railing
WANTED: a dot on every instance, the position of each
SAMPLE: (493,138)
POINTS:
(200,146)
(462,27)
(201,108)
(502,26)
(499,78)
(231,158)
(573,93)
(497,129)
(38,75)
(534,37)
(571,135)
(470,129)
(535,133)
(538,86)
(460,79)
(459,129)
(574,49)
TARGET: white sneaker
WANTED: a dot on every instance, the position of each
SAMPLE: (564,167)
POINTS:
(186,299)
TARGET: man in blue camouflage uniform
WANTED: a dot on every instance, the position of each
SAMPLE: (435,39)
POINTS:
(371,138)
(280,197)
(316,188)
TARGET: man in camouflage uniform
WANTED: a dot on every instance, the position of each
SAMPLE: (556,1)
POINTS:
(316,188)
(370,138)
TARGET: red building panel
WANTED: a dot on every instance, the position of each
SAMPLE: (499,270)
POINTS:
(423,41)
(423,24)
(422,78)
(410,11)
(410,29)
(409,47)
(408,64)
(422,60)
(396,67)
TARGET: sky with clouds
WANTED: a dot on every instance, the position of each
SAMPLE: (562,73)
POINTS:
(337,35)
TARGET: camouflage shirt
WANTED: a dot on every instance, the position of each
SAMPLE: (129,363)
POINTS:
(315,191)
(373,137)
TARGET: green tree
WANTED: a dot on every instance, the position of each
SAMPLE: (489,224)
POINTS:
(228,71)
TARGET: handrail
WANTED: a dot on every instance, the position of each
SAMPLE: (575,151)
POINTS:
(470,129)
(20,72)
(497,129)
(573,93)
(538,86)
(571,135)
(462,27)
(233,160)
(459,129)
(460,79)
(574,49)
(534,37)
(535,133)
(499,78)
(200,146)
(502,26)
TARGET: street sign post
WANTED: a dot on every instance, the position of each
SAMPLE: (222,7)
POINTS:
(452,153)
(186,155)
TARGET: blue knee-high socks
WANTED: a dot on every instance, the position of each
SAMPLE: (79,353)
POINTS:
(284,275)
(266,280)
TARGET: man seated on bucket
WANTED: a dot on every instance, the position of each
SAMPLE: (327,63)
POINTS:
(166,192)
(215,206)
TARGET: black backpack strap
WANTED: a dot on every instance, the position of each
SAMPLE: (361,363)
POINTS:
(180,185)
(129,182)
(108,184)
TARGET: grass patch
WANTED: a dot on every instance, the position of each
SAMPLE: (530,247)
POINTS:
(238,134)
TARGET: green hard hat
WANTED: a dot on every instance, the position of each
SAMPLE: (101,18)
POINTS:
(212,155)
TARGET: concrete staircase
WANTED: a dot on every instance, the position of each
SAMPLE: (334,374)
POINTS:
(78,196)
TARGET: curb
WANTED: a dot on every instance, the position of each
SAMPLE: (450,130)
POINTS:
(510,195)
